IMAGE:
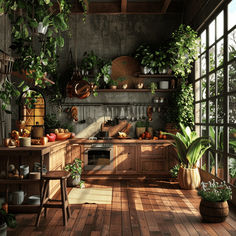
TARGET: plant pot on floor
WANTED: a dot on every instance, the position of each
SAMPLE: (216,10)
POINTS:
(189,178)
(214,212)
(3,229)
(73,182)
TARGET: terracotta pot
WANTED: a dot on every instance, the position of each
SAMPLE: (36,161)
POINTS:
(189,178)
(214,212)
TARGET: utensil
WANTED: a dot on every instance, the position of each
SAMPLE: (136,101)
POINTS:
(89,119)
(144,112)
(82,121)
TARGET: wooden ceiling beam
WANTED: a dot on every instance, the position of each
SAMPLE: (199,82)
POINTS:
(123,6)
(165,6)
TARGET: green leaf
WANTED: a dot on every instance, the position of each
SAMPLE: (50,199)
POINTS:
(46,20)
(60,41)
(21,84)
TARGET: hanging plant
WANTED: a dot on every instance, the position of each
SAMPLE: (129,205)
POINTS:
(183,50)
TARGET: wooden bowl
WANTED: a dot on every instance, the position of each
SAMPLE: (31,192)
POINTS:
(63,136)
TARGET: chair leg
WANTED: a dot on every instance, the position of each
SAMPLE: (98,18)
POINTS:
(66,197)
(63,201)
(45,188)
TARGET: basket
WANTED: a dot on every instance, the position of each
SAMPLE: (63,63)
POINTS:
(6,63)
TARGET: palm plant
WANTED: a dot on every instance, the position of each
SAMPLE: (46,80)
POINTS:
(190,148)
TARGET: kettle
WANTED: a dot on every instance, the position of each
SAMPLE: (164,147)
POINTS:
(37,131)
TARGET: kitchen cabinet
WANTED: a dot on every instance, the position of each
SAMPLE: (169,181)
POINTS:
(126,159)
(153,158)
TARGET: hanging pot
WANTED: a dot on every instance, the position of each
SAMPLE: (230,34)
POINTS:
(78,87)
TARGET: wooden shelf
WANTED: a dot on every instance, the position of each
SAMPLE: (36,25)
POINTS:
(134,90)
(18,181)
(23,208)
(159,76)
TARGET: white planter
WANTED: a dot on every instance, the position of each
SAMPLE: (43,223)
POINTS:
(42,29)
(164,85)
(145,70)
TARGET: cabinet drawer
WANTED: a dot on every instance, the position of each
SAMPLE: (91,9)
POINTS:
(153,150)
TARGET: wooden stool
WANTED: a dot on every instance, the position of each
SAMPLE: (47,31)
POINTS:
(48,203)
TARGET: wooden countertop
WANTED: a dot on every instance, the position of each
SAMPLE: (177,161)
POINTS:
(124,141)
(37,149)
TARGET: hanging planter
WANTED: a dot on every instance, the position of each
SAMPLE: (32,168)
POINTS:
(42,29)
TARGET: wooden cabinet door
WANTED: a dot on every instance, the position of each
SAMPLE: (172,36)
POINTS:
(153,158)
(126,159)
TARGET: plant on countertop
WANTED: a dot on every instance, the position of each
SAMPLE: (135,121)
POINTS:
(183,50)
(7,218)
(215,192)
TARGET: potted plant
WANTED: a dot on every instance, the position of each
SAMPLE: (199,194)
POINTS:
(75,170)
(190,149)
(145,57)
(214,207)
(183,50)
(6,220)
(153,87)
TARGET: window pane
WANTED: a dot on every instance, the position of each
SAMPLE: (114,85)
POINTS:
(232,170)
(220,170)
(232,76)
(197,90)
(212,88)
(197,69)
(232,45)
(203,112)
(212,111)
(203,64)
(220,110)
(231,14)
(203,131)
(203,88)
(203,41)
(220,53)
(220,25)
(212,58)
(212,33)
(197,113)
(220,81)
(232,109)
(212,162)
(232,140)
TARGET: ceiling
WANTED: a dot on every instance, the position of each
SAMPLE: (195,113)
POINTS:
(131,6)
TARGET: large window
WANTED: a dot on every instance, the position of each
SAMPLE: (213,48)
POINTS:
(215,92)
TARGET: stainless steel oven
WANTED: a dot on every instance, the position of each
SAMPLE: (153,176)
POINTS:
(98,156)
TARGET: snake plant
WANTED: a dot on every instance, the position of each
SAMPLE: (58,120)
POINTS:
(190,148)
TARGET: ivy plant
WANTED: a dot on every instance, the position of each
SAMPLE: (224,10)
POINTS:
(183,50)
(185,105)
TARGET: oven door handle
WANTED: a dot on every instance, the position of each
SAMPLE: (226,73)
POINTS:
(97,149)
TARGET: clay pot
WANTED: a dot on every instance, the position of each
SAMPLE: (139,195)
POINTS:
(189,178)
(214,212)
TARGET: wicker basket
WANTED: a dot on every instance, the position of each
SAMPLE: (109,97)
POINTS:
(6,63)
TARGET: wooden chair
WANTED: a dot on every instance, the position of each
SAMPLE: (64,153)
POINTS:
(52,203)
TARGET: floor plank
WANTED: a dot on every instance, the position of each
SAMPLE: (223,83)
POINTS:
(147,207)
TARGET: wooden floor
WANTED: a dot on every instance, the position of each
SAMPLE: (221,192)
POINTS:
(138,208)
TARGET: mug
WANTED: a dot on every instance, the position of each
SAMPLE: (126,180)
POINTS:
(24,170)
(18,197)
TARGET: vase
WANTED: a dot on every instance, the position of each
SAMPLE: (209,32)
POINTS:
(214,212)
(72,182)
(189,178)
